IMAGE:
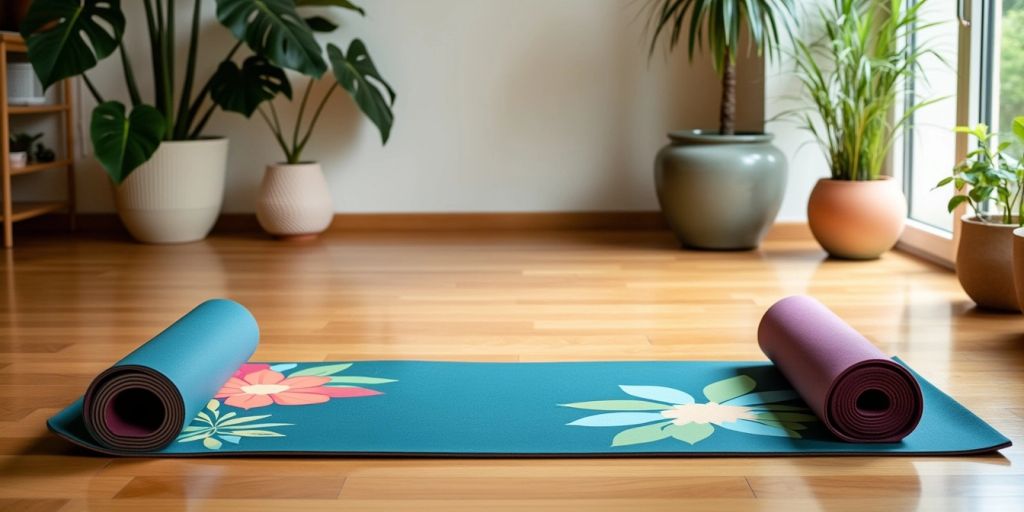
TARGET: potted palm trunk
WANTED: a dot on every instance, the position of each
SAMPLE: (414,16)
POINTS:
(721,189)
(854,77)
(294,201)
(168,176)
(991,182)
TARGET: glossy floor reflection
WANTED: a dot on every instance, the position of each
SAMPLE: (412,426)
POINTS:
(69,309)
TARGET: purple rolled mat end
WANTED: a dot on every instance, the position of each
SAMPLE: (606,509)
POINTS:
(854,388)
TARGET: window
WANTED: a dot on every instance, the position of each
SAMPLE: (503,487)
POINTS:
(982,44)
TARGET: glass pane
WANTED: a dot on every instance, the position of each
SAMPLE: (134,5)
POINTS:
(930,150)
(1008,102)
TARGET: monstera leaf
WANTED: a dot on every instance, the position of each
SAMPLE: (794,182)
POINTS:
(344,4)
(67,37)
(243,89)
(274,29)
(354,71)
(122,143)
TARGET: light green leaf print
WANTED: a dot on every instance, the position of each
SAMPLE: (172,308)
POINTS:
(618,405)
(255,433)
(321,371)
(212,443)
(360,380)
(729,388)
(690,433)
(225,422)
(641,435)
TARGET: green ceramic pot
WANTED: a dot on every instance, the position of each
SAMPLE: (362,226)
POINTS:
(720,192)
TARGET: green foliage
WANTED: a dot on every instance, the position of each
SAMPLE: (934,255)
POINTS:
(22,141)
(274,29)
(990,177)
(357,74)
(718,25)
(124,142)
(854,77)
(68,37)
(243,89)
(353,71)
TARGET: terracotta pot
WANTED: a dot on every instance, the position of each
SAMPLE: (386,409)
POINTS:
(984,263)
(294,202)
(1018,265)
(857,220)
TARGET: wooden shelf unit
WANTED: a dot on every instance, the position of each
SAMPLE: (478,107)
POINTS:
(11,211)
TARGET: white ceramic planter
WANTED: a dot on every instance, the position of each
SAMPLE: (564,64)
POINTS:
(176,196)
(294,202)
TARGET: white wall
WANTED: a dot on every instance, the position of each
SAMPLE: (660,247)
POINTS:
(536,105)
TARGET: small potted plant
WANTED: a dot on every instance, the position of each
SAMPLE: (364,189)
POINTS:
(854,77)
(20,145)
(721,189)
(991,182)
(294,201)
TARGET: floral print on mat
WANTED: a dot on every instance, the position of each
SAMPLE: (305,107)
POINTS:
(663,413)
(214,429)
(260,385)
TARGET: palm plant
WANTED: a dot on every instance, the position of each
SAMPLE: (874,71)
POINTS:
(718,24)
(854,77)
(67,38)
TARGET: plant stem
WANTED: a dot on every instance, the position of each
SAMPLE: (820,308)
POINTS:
(277,135)
(168,64)
(202,122)
(302,111)
(727,119)
(92,89)
(197,104)
(312,123)
(129,76)
(184,121)
(154,51)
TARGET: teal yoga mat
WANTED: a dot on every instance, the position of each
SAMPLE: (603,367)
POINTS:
(195,370)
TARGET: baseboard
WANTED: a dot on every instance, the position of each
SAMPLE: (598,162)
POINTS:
(392,222)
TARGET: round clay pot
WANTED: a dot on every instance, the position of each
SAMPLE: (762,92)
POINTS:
(294,202)
(984,263)
(720,192)
(176,195)
(857,220)
(1018,265)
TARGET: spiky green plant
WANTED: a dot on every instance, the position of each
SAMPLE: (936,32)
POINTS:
(854,77)
(718,25)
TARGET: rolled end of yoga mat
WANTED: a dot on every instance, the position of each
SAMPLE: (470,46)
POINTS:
(859,394)
(144,401)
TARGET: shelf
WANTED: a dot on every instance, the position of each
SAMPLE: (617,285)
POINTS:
(35,109)
(27,210)
(31,168)
(13,42)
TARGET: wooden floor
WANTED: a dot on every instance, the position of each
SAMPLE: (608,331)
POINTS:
(70,309)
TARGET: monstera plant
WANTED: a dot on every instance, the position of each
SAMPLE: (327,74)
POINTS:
(162,132)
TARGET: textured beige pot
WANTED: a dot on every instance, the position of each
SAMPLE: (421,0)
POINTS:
(176,196)
(984,263)
(857,220)
(294,202)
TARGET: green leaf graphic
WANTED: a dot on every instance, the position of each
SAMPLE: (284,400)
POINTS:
(729,388)
(321,371)
(619,405)
(690,433)
(641,435)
